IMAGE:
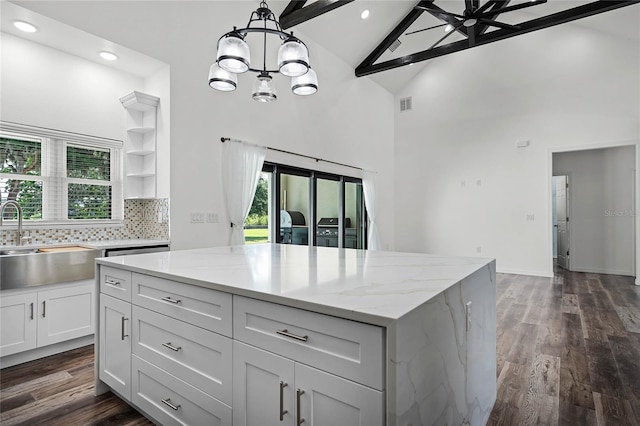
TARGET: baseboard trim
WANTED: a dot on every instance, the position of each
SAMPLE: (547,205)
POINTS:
(524,272)
(37,353)
(602,271)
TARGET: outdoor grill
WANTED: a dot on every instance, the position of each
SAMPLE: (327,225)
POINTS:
(327,233)
(293,228)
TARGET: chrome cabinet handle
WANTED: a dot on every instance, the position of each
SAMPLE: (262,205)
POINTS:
(112,282)
(170,346)
(122,333)
(44,308)
(286,333)
(31,310)
(170,300)
(282,410)
(168,403)
(299,419)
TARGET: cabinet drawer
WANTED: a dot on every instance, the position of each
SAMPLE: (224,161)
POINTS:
(199,357)
(170,401)
(115,282)
(199,306)
(346,348)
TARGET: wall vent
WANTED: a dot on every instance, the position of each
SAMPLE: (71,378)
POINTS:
(395,45)
(406,104)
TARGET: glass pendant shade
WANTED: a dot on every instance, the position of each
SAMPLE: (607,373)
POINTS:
(293,58)
(222,80)
(306,84)
(233,54)
(263,89)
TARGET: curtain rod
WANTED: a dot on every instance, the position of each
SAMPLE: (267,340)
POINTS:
(223,140)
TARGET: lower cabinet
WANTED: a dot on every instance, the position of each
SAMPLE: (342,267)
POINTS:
(272,390)
(115,344)
(45,315)
(18,323)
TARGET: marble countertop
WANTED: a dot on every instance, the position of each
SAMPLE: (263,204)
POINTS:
(377,287)
(100,245)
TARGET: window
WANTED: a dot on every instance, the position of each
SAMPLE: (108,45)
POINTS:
(60,177)
(311,208)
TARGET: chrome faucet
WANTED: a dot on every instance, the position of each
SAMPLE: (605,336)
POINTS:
(16,205)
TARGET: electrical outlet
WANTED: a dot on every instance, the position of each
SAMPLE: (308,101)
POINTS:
(463,183)
(197,217)
(530,217)
(467,308)
(479,249)
(212,217)
(159,217)
(479,182)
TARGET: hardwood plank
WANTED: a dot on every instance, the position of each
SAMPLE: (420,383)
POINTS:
(33,385)
(629,317)
(603,370)
(573,415)
(627,358)
(522,351)
(570,304)
(611,410)
(540,405)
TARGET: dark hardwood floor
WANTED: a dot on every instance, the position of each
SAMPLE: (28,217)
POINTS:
(568,354)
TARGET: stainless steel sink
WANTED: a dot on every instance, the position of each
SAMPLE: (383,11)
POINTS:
(18,251)
(27,267)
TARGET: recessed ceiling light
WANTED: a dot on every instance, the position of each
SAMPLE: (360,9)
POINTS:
(108,56)
(25,26)
(448,28)
(364,14)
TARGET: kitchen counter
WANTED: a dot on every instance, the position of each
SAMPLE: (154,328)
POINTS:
(97,245)
(370,286)
(437,315)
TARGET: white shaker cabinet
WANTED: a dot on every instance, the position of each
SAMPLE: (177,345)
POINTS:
(271,390)
(263,388)
(18,323)
(65,314)
(115,344)
(42,316)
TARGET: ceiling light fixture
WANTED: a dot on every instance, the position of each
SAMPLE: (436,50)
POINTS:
(448,28)
(108,56)
(233,57)
(25,26)
(364,14)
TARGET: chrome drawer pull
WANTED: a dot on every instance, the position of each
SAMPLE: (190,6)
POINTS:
(168,403)
(170,300)
(31,310)
(282,410)
(112,282)
(286,333)
(44,309)
(299,419)
(170,346)
(122,332)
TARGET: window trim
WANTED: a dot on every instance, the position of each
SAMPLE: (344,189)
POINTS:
(56,140)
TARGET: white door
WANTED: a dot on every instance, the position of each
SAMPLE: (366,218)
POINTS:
(17,323)
(562,215)
(65,313)
(328,400)
(263,387)
(115,344)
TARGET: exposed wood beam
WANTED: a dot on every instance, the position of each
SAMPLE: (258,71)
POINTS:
(495,4)
(395,34)
(443,16)
(298,14)
(565,16)
(293,6)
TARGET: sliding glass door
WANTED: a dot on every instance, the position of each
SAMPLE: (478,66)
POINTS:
(306,207)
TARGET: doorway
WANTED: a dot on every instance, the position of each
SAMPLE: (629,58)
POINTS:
(595,209)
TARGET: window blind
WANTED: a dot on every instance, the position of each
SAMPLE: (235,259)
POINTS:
(61,179)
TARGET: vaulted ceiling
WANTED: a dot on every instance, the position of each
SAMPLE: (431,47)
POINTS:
(399,37)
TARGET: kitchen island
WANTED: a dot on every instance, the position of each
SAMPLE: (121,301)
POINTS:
(277,334)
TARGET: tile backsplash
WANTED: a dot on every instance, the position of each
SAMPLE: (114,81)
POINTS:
(143,219)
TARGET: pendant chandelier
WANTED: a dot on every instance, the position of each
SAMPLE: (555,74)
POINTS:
(233,58)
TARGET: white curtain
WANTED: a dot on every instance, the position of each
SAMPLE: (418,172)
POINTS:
(371,202)
(241,167)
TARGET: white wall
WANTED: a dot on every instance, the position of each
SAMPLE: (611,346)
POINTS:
(349,120)
(46,87)
(560,87)
(601,208)
(158,84)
